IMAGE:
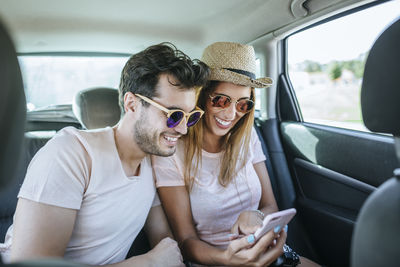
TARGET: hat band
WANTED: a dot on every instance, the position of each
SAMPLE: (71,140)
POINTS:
(243,72)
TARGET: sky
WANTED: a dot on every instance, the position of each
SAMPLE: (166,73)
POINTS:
(338,40)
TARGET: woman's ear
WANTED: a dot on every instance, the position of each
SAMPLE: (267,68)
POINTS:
(130,102)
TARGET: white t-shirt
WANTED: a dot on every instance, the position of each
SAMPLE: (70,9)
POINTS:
(214,208)
(82,170)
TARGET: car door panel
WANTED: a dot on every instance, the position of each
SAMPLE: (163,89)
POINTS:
(334,171)
(322,184)
(367,157)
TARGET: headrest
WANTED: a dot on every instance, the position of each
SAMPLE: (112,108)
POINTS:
(12,108)
(380,92)
(97,107)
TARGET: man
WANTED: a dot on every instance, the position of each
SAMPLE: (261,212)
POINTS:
(87,194)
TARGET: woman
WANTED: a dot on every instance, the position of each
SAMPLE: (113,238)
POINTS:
(216,186)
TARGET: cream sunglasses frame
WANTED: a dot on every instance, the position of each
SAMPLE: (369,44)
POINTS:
(170,111)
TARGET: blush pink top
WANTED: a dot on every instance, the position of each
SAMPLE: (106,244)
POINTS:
(214,208)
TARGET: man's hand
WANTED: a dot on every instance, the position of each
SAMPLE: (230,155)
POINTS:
(166,253)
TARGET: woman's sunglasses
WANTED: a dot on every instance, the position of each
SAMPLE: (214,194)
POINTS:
(175,116)
(223,101)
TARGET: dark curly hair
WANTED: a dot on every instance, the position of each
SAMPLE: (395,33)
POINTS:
(141,73)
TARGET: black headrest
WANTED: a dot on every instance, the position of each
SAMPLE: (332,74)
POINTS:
(97,107)
(380,92)
(12,108)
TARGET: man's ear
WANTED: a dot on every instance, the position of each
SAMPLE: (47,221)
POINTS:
(130,102)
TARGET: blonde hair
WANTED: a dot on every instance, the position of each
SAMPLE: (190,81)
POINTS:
(235,144)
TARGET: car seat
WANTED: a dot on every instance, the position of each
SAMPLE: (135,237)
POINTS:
(97,107)
(12,109)
(377,232)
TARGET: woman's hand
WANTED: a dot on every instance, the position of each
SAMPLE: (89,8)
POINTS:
(265,251)
(247,223)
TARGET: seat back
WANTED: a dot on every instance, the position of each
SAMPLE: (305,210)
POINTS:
(12,120)
(12,109)
(377,232)
(97,107)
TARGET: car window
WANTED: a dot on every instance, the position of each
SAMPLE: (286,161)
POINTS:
(54,80)
(326,65)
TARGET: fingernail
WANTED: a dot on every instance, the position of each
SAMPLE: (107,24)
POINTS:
(277,229)
(285,228)
(251,239)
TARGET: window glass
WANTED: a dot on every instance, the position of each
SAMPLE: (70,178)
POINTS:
(54,80)
(326,64)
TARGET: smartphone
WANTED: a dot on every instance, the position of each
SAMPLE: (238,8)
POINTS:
(272,220)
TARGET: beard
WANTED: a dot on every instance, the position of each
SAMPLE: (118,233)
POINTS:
(148,138)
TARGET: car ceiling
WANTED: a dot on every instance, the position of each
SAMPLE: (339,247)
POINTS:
(123,26)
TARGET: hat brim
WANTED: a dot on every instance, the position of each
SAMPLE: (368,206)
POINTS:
(224,75)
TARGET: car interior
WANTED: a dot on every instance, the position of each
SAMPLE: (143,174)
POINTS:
(336,171)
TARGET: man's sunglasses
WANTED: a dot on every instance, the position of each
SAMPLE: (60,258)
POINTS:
(175,116)
(223,101)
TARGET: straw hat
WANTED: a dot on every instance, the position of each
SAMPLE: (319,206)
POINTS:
(235,63)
